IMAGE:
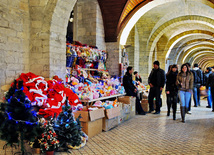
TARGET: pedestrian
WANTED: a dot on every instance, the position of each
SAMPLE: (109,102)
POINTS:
(190,101)
(131,90)
(156,81)
(210,83)
(198,82)
(206,76)
(185,86)
(172,90)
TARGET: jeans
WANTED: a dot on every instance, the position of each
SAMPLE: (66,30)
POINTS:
(184,97)
(209,97)
(212,94)
(196,95)
(154,93)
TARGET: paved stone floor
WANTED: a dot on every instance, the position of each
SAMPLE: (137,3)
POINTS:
(156,134)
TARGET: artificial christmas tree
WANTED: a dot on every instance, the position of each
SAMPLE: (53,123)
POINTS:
(49,142)
(18,122)
(69,130)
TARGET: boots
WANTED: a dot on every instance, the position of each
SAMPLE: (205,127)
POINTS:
(168,113)
(174,115)
(183,112)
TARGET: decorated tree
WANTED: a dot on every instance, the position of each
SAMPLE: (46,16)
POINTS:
(18,122)
(49,140)
(69,130)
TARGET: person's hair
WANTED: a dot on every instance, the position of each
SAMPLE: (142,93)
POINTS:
(188,64)
(170,68)
(188,71)
(135,72)
(195,65)
(156,63)
(129,68)
(209,69)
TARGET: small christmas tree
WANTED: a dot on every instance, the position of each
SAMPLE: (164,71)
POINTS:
(17,119)
(68,129)
(49,140)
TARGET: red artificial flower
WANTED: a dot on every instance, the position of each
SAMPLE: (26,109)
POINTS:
(50,132)
(54,134)
(49,137)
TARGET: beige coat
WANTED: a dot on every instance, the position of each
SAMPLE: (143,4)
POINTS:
(184,82)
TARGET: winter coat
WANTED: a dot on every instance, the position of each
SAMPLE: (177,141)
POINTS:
(210,81)
(128,84)
(138,79)
(185,81)
(157,78)
(171,83)
(206,76)
(198,77)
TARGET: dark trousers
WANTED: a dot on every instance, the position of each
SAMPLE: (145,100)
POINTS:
(139,108)
(172,102)
(196,95)
(212,94)
(190,101)
(154,92)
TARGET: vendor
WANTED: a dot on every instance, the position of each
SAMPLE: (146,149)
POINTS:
(137,77)
(131,90)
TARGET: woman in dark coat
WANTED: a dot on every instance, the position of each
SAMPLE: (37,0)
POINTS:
(172,90)
(131,90)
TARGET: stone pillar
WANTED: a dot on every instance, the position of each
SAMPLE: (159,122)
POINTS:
(136,50)
(88,23)
(14,41)
(113,57)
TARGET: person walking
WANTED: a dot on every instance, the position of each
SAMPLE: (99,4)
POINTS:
(185,85)
(172,90)
(156,81)
(198,82)
(131,90)
(210,83)
(190,101)
(209,96)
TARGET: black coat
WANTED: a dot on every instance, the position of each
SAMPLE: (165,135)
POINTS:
(171,83)
(128,84)
(157,78)
(138,79)
(206,76)
(210,81)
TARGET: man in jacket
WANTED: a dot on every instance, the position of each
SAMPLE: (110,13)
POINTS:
(156,80)
(131,90)
(206,76)
(198,82)
(210,83)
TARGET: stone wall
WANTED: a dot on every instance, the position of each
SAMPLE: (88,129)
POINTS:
(88,23)
(14,41)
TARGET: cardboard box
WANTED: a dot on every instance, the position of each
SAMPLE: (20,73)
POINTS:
(91,121)
(92,128)
(111,113)
(145,105)
(126,99)
(110,123)
(89,115)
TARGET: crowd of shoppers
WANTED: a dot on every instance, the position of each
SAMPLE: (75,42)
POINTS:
(180,86)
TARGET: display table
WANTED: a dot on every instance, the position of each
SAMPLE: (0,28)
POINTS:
(101,98)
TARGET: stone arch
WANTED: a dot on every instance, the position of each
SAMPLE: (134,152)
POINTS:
(48,30)
(194,49)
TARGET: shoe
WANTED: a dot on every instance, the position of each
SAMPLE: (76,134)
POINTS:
(142,113)
(189,112)
(168,113)
(157,112)
(195,106)
(183,121)
(212,110)
(150,111)
(208,106)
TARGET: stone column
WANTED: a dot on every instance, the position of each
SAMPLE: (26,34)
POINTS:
(113,57)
